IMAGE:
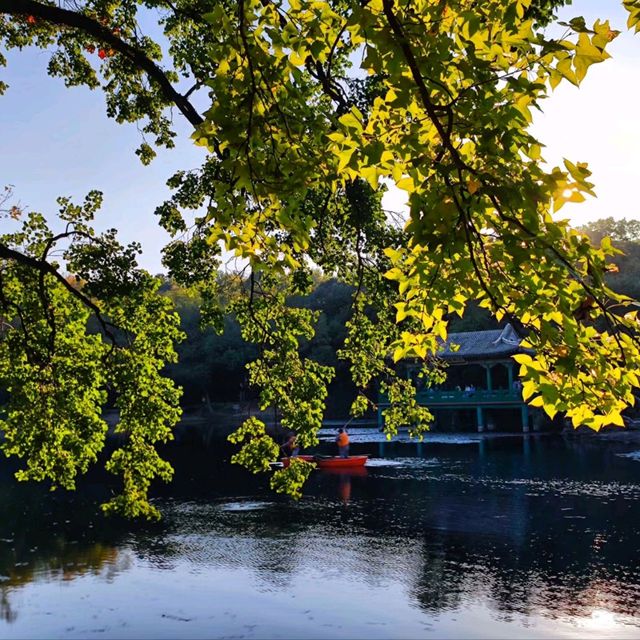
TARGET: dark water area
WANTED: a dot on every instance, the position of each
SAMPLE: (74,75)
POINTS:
(507,537)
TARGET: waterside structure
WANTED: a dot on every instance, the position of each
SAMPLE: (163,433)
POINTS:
(482,376)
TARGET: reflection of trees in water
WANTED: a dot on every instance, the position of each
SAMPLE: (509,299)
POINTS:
(548,566)
(451,536)
(516,544)
(66,562)
(278,542)
(63,561)
(532,579)
(545,530)
(46,537)
(256,537)
(7,613)
(520,550)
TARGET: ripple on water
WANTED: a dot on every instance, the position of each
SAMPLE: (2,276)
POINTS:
(444,470)
(244,506)
(403,463)
(634,455)
(241,504)
(559,486)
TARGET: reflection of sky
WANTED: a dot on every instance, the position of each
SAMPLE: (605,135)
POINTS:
(353,587)
(65,564)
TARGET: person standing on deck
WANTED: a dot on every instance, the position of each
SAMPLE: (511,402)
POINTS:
(342,440)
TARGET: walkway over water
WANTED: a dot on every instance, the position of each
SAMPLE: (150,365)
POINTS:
(479,399)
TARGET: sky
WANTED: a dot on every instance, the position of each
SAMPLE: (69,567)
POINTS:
(598,122)
(56,141)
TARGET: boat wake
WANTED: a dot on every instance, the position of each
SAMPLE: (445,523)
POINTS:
(634,455)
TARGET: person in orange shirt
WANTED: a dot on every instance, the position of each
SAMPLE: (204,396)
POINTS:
(342,440)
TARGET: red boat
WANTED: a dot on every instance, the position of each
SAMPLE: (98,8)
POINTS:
(285,461)
(331,462)
(345,472)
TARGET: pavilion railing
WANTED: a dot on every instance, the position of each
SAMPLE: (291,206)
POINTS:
(454,396)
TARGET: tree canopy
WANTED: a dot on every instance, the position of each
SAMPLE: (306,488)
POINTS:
(621,230)
(308,110)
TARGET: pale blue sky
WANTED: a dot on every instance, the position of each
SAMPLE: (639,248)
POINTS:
(57,141)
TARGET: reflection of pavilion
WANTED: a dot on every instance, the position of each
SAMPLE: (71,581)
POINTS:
(481,376)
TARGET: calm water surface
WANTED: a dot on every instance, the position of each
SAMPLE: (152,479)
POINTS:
(509,537)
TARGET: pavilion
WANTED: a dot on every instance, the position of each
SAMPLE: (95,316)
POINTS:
(481,375)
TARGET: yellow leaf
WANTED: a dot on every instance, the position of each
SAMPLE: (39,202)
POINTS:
(370,174)
(528,389)
(349,121)
(555,316)
(401,313)
(615,418)
(297,59)
(386,157)
(344,157)
(406,184)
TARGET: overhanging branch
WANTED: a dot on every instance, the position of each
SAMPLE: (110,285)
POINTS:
(45,268)
(65,18)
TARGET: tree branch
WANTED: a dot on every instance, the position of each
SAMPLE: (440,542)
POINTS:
(74,20)
(430,108)
(44,267)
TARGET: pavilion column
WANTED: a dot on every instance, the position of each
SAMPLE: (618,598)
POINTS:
(480,418)
(487,368)
(526,447)
(525,418)
(510,372)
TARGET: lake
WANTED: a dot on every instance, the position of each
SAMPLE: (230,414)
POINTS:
(504,537)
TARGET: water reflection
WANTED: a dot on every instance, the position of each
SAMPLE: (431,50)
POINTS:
(339,481)
(534,537)
(52,538)
(66,563)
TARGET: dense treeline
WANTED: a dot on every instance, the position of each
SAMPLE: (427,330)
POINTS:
(625,234)
(212,366)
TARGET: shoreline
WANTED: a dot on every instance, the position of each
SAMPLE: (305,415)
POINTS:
(224,421)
